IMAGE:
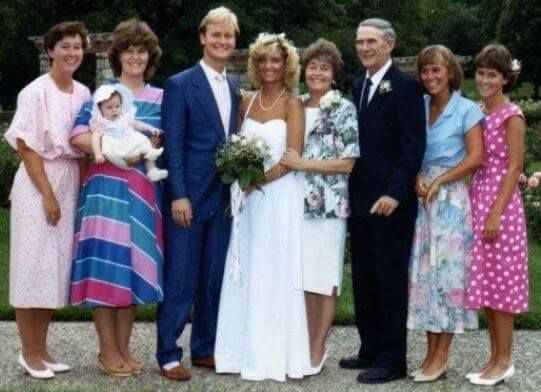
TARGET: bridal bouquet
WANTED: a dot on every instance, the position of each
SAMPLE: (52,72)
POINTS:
(242,159)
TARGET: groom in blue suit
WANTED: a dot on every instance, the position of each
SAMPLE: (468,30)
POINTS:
(199,111)
(384,207)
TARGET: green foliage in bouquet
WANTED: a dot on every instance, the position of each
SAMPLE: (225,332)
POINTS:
(242,159)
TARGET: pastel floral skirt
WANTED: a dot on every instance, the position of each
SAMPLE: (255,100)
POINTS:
(440,260)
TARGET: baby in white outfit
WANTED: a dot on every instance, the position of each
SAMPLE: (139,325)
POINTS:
(117,136)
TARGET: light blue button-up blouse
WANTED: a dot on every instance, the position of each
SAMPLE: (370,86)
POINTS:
(445,144)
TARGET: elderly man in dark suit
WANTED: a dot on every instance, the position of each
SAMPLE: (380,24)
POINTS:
(384,207)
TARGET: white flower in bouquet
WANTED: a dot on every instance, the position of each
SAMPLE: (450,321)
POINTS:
(235,138)
(330,100)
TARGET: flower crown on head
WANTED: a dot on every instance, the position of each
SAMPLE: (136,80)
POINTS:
(268,38)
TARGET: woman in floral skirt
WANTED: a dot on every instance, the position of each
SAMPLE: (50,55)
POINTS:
(441,252)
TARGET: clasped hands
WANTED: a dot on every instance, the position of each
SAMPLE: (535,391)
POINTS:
(427,190)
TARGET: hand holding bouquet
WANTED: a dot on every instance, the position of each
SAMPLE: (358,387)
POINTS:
(242,159)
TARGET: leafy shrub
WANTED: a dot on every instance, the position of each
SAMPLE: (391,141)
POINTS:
(532,111)
(532,144)
(9,162)
(531,192)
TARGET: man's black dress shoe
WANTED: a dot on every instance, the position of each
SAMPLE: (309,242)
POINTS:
(378,375)
(356,362)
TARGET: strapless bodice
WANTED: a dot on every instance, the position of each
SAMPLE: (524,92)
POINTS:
(272,132)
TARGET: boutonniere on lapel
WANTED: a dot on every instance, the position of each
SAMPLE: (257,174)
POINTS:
(330,100)
(385,86)
(240,93)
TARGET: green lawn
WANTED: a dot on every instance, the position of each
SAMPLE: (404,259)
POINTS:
(530,320)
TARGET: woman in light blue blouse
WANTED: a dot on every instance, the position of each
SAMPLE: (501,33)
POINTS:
(442,246)
(331,145)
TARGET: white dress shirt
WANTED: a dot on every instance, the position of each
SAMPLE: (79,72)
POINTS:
(377,77)
(220,90)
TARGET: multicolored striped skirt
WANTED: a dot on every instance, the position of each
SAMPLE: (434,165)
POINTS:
(118,243)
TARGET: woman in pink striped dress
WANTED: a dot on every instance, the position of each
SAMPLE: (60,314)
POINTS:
(499,272)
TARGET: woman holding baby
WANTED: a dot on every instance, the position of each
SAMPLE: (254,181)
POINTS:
(118,251)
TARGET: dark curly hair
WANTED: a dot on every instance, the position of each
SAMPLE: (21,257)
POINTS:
(134,32)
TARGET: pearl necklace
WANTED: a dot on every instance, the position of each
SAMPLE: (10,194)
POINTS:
(274,103)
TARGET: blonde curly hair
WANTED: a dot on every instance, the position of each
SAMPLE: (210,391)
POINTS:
(266,43)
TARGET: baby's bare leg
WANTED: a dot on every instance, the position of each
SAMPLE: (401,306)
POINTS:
(150,164)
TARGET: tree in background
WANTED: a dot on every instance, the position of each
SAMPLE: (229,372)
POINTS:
(462,25)
(519,28)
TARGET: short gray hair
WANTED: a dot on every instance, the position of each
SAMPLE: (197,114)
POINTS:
(381,24)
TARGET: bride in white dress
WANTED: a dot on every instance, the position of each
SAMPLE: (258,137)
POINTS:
(262,329)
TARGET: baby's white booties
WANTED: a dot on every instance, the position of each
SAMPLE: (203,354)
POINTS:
(156,174)
(153,153)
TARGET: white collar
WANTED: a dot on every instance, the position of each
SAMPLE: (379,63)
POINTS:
(378,76)
(210,72)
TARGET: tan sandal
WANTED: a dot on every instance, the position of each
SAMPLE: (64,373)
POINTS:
(136,367)
(121,370)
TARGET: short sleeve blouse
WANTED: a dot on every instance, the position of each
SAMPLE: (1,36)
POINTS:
(44,118)
(445,144)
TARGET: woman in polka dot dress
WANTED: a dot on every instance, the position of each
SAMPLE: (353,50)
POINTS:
(499,275)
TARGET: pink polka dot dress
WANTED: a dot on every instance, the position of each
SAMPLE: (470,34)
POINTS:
(41,254)
(499,272)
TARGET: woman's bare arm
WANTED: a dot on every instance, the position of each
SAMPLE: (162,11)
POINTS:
(514,135)
(33,163)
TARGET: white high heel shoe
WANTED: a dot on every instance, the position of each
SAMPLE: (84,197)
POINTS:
(317,369)
(41,374)
(478,380)
(57,367)
(421,377)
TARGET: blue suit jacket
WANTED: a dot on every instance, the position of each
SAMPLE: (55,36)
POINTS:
(193,131)
(392,140)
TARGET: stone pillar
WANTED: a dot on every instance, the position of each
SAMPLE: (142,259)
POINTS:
(44,64)
(237,65)
(103,70)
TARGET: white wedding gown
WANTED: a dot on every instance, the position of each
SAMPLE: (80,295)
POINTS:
(262,330)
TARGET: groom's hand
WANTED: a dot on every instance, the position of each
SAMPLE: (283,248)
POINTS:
(385,206)
(181,210)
